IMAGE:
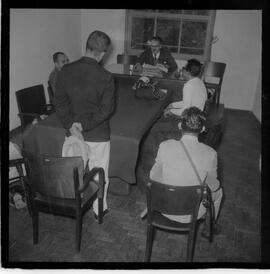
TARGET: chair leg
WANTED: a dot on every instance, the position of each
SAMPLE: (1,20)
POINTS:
(35,217)
(78,233)
(190,245)
(100,210)
(149,242)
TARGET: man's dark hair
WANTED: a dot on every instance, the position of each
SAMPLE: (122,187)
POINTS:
(157,38)
(98,41)
(193,66)
(192,120)
(55,56)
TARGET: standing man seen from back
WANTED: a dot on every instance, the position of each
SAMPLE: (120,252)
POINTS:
(85,101)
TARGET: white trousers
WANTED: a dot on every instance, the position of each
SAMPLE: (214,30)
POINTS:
(99,156)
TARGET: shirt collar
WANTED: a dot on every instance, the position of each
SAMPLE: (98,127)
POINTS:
(190,137)
(157,55)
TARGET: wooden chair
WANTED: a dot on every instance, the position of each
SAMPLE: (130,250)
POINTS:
(172,200)
(214,69)
(214,125)
(58,186)
(31,104)
(126,59)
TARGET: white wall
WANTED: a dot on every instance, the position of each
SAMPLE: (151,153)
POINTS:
(257,108)
(35,34)
(110,21)
(239,46)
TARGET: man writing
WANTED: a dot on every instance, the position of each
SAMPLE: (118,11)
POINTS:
(85,100)
(157,55)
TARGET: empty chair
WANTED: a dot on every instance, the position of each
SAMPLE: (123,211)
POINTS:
(214,69)
(58,186)
(31,104)
(126,59)
(172,200)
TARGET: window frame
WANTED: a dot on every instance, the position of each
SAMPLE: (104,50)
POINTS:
(189,17)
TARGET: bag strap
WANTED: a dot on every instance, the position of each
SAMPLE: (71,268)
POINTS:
(192,164)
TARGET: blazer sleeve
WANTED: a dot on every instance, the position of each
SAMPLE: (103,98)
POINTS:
(171,62)
(92,120)
(143,58)
(62,103)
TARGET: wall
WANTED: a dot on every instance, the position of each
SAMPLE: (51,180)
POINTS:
(35,34)
(257,108)
(109,21)
(239,46)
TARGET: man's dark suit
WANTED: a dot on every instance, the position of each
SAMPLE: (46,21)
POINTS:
(85,94)
(164,56)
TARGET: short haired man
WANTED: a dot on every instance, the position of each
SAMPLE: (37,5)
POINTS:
(59,59)
(173,167)
(84,102)
(157,54)
(194,90)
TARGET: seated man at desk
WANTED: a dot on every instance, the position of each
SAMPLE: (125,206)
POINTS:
(157,55)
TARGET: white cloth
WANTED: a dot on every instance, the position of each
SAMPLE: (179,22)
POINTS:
(194,95)
(173,167)
(99,156)
(73,147)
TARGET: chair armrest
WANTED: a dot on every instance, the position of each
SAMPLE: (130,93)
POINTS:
(18,163)
(89,176)
(34,115)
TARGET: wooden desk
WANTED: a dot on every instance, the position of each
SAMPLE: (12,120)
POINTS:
(130,121)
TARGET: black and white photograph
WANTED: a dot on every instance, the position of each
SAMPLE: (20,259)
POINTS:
(134,137)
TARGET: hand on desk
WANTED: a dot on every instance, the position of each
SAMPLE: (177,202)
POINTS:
(76,130)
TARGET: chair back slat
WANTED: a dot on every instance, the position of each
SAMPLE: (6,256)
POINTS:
(126,59)
(53,176)
(173,200)
(31,100)
(214,69)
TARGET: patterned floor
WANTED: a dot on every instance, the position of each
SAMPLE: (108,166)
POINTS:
(122,236)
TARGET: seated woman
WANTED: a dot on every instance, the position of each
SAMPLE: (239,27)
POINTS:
(194,95)
(194,90)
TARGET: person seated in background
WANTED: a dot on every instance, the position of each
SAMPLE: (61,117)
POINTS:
(172,165)
(157,55)
(194,90)
(59,59)
(194,94)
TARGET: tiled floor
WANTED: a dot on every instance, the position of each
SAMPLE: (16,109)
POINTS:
(121,238)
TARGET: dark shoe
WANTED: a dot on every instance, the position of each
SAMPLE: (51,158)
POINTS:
(104,213)
(215,231)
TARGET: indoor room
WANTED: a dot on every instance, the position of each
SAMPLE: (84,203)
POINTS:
(101,108)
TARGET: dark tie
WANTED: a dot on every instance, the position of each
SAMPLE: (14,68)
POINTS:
(155,58)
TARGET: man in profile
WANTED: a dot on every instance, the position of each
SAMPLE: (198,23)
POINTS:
(59,59)
(157,55)
(84,102)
